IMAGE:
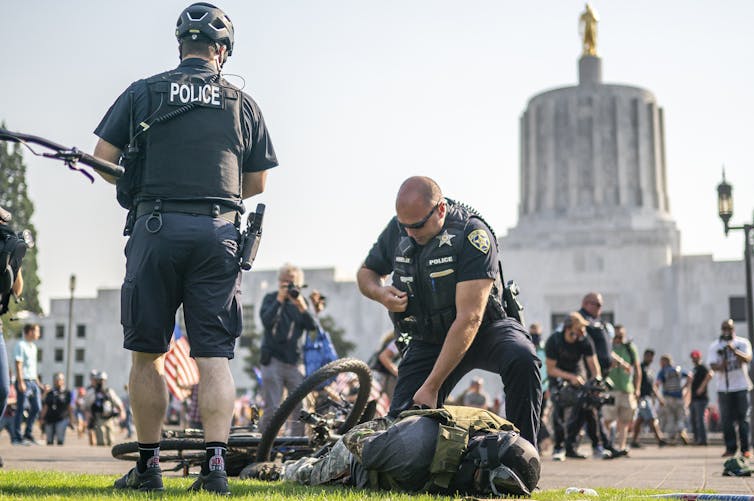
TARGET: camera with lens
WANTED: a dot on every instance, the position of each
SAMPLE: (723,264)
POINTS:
(594,393)
(591,395)
(294,291)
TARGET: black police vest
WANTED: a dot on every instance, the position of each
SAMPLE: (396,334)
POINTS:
(198,154)
(429,276)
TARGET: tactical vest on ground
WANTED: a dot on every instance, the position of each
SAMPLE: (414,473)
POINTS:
(456,425)
(429,276)
(195,154)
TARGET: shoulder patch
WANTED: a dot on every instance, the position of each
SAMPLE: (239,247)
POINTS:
(479,239)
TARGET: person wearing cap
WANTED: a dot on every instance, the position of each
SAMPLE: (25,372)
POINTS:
(193,148)
(103,406)
(701,376)
(729,357)
(564,350)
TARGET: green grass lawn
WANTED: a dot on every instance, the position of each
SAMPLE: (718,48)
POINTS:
(47,485)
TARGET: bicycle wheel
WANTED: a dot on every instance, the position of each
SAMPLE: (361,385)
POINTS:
(357,367)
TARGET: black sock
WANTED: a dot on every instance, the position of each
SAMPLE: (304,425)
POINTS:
(215,459)
(149,457)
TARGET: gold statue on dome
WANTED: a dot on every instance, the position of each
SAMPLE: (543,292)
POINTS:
(588,30)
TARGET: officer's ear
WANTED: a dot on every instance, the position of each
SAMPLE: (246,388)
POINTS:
(221,52)
(442,209)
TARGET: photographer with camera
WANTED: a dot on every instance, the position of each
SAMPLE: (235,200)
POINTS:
(729,357)
(563,351)
(286,316)
(103,406)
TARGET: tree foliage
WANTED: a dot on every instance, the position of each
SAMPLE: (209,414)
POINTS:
(15,199)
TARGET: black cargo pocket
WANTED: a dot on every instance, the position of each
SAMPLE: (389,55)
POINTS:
(442,283)
(128,302)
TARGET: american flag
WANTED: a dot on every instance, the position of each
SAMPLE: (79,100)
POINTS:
(181,372)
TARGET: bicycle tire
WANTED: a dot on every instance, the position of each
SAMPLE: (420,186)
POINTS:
(357,367)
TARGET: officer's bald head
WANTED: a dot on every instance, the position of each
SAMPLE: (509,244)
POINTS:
(417,190)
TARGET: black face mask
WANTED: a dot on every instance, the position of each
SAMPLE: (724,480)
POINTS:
(726,336)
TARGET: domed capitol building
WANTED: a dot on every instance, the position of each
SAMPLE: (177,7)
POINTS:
(594,215)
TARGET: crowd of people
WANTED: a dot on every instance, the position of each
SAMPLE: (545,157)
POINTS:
(596,383)
(38,412)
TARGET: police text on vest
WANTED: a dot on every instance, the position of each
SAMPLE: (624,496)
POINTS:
(205,95)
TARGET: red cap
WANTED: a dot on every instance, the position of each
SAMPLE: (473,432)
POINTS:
(696,354)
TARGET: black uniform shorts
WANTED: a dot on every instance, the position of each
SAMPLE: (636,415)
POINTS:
(192,261)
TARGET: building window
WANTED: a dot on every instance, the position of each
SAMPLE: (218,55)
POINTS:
(39,355)
(80,354)
(58,354)
(78,380)
(60,331)
(81,330)
(41,332)
(737,308)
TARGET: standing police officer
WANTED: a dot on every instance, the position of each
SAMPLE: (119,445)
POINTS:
(199,149)
(443,294)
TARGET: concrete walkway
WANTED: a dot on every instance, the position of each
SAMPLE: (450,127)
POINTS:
(679,468)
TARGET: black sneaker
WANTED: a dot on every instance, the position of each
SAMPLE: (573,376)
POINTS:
(215,482)
(636,445)
(149,481)
(574,454)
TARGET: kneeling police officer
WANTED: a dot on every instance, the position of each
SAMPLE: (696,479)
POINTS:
(444,264)
(193,147)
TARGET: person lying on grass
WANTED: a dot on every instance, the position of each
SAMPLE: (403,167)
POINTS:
(446,450)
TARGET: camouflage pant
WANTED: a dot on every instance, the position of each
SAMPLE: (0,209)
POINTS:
(335,465)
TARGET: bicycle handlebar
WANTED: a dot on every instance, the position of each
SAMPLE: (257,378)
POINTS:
(67,154)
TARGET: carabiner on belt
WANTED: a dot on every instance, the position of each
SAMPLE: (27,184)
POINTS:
(154,221)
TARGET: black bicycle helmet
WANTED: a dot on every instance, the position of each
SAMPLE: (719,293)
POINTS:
(499,463)
(205,19)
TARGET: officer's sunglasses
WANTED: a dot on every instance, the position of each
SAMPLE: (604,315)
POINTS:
(420,224)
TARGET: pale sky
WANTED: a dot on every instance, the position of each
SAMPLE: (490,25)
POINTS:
(360,95)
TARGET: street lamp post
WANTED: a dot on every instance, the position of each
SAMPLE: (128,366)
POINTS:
(725,210)
(72,287)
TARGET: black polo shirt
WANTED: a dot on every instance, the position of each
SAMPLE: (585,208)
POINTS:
(567,355)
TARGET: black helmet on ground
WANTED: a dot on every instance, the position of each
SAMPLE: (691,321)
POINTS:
(204,19)
(499,463)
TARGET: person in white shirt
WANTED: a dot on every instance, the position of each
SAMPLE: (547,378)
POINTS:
(729,357)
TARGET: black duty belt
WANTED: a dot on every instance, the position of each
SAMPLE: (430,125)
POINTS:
(189,207)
